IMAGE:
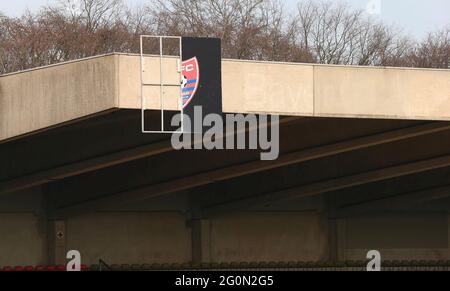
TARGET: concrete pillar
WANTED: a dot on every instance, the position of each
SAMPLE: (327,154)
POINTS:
(336,230)
(201,241)
(342,239)
(200,228)
(57,242)
(333,240)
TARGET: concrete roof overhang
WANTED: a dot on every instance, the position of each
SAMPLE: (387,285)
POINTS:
(46,97)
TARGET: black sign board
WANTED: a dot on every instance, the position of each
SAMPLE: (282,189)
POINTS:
(202,76)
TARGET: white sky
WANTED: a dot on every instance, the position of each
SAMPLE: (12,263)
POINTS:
(416,17)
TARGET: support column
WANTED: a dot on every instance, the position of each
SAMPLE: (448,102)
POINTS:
(201,241)
(333,231)
(200,230)
(56,227)
(57,242)
(333,240)
(342,239)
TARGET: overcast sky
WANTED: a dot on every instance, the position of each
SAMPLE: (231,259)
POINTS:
(416,17)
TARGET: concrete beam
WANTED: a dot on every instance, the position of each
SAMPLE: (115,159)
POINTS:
(305,89)
(85,166)
(395,201)
(103,162)
(259,166)
(331,185)
(382,92)
(45,97)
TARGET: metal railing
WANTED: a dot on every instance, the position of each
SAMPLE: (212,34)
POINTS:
(283,266)
(352,266)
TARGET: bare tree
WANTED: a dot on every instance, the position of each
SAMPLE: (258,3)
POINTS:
(434,51)
(94,13)
(335,34)
(253,29)
(317,32)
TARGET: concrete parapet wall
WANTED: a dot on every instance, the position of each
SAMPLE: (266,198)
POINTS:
(46,97)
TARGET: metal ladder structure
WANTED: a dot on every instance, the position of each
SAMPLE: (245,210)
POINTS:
(162,85)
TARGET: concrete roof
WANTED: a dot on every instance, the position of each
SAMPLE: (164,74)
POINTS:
(46,97)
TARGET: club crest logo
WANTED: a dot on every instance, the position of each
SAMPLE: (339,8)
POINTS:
(191,79)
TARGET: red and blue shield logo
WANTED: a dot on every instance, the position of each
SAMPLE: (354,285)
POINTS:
(191,79)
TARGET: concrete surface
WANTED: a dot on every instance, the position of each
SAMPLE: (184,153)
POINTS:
(130,237)
(382,93)
(283,236)
(42,98)
(23,239)
(45,97)
(410,236)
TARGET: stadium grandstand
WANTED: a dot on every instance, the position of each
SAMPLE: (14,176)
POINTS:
(364,164)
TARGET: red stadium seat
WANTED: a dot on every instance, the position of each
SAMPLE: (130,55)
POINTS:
(50,268)
(84,268)
(7,269)
(29,269)
(61,268)
(39,268)
(19,269)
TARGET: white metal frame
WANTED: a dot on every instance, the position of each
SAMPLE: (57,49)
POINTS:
(161,85)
